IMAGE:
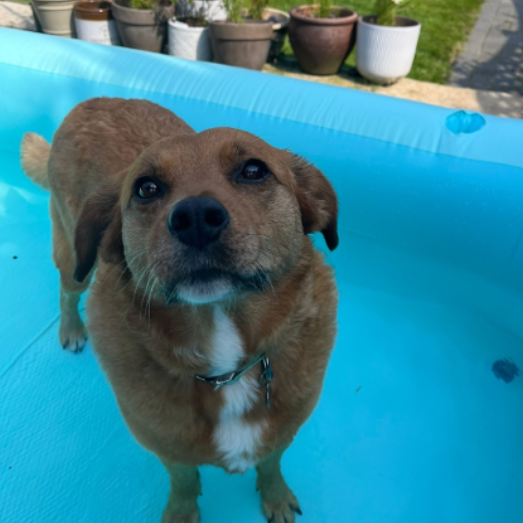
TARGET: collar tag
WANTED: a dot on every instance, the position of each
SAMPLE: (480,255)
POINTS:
(266,378)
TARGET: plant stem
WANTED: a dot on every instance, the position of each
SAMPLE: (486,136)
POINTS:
(325,8)
(234,10)
(386,12)
(257,7)
(142,4)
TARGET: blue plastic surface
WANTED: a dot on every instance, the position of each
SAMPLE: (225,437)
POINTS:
(418,421)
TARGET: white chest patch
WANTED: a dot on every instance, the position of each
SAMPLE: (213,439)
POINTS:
(236,439)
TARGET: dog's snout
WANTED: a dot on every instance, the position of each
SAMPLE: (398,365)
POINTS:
(197,222)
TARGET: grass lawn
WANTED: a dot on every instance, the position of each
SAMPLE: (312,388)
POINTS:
(445,25)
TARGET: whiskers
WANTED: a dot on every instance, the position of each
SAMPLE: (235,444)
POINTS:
(144,287)
(153,283)
(151,288)
(264,276)
(126,267)
(267,250)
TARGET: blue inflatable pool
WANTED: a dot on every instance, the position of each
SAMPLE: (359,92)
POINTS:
(421,419)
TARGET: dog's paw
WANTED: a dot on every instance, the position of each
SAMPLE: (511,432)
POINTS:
(171,517)
(280,507)
(72,336)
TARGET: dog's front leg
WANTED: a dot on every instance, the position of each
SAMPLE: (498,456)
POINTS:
(279,504)
(72,331)
(182,506)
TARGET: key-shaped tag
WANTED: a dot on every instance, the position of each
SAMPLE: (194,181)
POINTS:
(266,378)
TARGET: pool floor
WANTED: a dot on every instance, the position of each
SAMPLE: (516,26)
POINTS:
(414,425)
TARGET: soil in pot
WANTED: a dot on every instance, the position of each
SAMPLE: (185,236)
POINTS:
(321,45)
(192,22)
(242,45)
(144,29)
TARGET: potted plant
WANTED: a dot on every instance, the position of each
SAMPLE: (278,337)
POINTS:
(189,34)
(242,41)
(280,24)
(322,36)
(94,22)
(55,16)
(386,43)
(142,24)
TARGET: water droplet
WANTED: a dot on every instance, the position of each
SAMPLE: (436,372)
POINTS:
(505,370)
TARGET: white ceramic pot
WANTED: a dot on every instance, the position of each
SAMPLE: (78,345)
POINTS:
(104,33)
(190,43)
(385,54)
(94,22)
(211,10)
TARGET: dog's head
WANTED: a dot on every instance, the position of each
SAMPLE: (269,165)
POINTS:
(204,217)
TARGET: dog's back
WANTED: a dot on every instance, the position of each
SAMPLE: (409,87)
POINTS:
(97,140)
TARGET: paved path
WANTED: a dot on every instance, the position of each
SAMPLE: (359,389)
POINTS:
(17,16)
(493,57)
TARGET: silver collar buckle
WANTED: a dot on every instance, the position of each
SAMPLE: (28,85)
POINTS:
(233,377)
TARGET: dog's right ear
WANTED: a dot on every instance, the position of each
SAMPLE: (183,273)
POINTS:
(99,225)
(317,200)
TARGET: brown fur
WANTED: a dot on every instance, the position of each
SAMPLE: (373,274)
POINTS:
(151,347)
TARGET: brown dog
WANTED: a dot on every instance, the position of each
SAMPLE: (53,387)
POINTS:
(207,285)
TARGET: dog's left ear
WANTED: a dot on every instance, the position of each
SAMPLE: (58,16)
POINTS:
(317,200)
(98,229)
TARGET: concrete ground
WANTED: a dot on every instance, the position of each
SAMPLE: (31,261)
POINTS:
(508,104)
(493,57)
(17,16)
(489,102)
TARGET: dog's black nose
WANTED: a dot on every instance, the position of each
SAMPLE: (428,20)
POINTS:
(198,221)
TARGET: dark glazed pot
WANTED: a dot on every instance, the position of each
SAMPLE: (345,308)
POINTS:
(242,45)
(322,44)
(144,29)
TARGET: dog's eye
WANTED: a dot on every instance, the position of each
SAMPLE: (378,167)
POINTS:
(253,171)
(146,189)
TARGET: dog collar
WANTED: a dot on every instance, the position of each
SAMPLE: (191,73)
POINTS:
(230,378)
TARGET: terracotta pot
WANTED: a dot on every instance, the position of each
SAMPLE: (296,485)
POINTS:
(321,45)
(144,29)
(242,45)
(94,22)
(280,24)
(55,16)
